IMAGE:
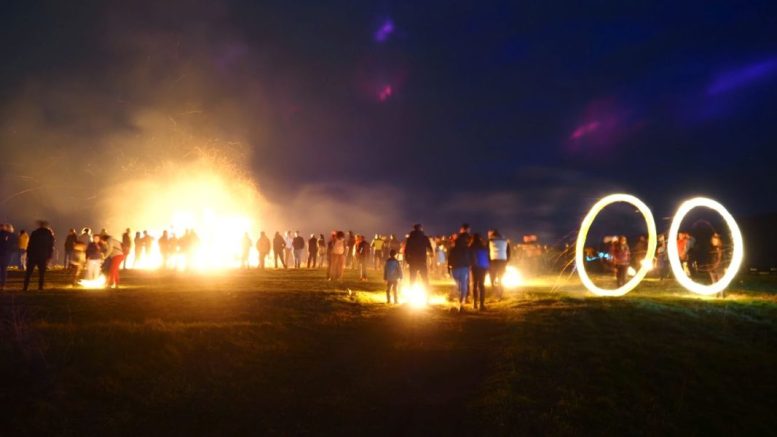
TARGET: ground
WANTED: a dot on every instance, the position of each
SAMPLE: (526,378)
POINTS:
(287,352)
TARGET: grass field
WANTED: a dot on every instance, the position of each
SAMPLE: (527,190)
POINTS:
(286,352)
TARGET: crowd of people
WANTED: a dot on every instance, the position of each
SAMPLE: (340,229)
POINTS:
(620,257)
(466,257)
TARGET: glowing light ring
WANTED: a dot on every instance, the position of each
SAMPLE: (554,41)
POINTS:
(585,226)
(674,255)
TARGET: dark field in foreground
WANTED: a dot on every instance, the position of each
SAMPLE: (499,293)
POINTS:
(286,352)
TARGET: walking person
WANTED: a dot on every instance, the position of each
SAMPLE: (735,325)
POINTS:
(39,250)
(459,261)
(417,246)
(621,259)
(498,256)
(392,274)
(278,249)
(298,244)
(312,251)
(7,249)
(263,247)
(480,263)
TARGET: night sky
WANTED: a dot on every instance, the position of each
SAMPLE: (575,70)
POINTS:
(514,114)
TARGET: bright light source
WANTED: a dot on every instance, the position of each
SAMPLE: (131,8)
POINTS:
(585,226)
(512,278)
(415,295)
(674,256)
(93,283)
(631,272)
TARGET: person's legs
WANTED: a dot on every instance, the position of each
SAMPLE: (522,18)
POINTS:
(389,286)
(28,274)
(3,272)
(42,266)
(116,262)
(412,272)
(424,272)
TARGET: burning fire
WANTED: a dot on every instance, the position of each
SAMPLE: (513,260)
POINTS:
(211,200)
(99,282)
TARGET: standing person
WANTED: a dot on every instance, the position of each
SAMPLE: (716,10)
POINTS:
(322,256)
(377,251)
(278,249)
(7,248)
(298,245)
(621,259)
(94,258)
(480,262)
(716,259)
(126,246)
(337,257)
(288,248)
(392,274)
(70,242)
(114,256)
(312,251)
(23,241)
(39,249)
(499,256)
(165,244)
(417,246)
(440,257)
(639,253)
(351,243)
(244,259)
(362,256)
(77,260)
(263,247)
(139,249)
(662,258)
(148,244)
(459,263)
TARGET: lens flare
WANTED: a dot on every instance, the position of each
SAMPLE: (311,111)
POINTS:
(585,226)
(674,256)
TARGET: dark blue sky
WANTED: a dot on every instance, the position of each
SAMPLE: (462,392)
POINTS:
(513,113)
